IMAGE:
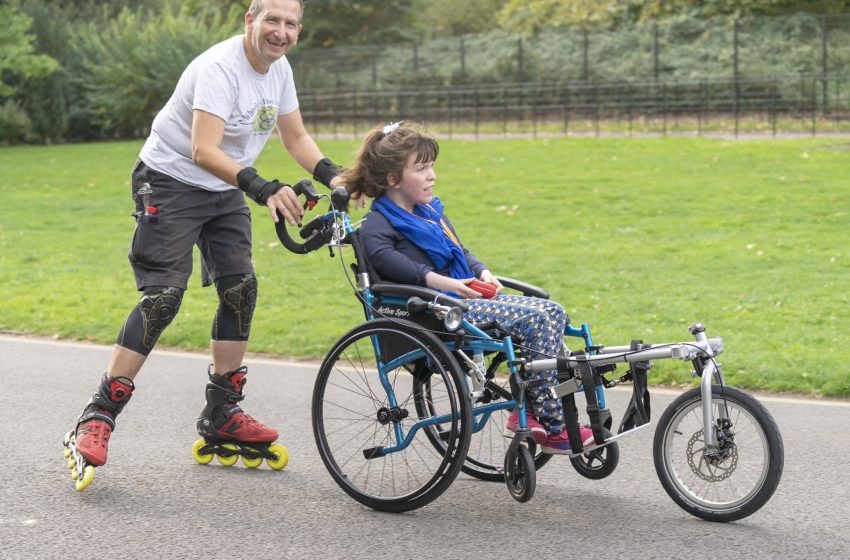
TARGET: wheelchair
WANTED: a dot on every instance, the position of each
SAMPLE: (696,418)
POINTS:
(416,394)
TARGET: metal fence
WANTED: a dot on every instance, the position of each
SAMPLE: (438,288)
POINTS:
(705,107)
(764,75)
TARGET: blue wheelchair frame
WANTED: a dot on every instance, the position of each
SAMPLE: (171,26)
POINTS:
(480,342)
(711,448)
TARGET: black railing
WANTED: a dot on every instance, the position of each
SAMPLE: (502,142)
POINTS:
(793,104)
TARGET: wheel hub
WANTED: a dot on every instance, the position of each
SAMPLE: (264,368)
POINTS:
(392,414)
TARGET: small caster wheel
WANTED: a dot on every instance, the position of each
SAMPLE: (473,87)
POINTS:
(598,463)
(520,474)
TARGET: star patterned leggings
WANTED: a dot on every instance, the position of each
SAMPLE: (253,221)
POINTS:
(536,324)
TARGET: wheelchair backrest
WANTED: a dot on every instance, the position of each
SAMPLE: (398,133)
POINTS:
(383,308)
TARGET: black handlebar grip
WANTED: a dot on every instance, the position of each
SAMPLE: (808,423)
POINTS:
(303,187)
(339,198)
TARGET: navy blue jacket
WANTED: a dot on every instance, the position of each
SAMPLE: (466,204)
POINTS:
(396,259)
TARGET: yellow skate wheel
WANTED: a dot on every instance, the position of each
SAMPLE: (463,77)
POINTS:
(71,463)
(231,460)
(67,452)
(252,463)
(201,459)
(85,481)
(283,457)
(74,474)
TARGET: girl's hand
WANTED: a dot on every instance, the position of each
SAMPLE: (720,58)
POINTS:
(487,276)
(445,284)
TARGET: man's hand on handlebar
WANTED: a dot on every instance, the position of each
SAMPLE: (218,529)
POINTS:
(286,202)
(277,196)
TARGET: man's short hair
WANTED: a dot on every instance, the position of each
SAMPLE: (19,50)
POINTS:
(257,5)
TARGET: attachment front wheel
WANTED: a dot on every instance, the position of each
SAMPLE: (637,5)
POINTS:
(731,481)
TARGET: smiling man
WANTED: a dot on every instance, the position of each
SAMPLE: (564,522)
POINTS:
(188,186)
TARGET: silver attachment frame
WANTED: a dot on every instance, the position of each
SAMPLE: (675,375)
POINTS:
(688,351)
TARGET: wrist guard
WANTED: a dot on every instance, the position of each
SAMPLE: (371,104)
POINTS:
(325,171)
(258,189)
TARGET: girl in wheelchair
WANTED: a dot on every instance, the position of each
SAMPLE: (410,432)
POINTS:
(408,239)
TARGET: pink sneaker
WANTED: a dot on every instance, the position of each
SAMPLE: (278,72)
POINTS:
(560,444)
(538,432)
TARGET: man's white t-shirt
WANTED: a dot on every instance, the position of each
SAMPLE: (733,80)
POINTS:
(220,81)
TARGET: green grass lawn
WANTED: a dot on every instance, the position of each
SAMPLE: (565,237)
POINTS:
(637,237)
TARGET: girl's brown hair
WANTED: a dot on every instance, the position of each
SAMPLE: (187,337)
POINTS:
(384,154)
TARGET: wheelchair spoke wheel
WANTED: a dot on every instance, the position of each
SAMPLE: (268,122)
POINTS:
(371,436)
(737,478)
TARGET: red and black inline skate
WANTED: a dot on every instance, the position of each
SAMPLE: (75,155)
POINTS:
(87,445)
(227,432)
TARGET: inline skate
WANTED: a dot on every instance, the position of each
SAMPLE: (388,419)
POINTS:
(87,445)
(228,433)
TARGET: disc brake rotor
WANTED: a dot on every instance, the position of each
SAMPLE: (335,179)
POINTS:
(708,468)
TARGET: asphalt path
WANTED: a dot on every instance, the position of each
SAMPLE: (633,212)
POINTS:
(153,501)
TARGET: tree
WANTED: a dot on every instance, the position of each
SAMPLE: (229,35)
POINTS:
(456,17)
(530,16)
(17,54)
(651,9)
(123,71)
(343,22)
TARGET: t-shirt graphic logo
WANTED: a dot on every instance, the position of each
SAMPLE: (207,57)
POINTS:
(264,119)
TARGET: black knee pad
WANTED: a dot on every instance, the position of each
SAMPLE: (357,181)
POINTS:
(155,311)
(237,298)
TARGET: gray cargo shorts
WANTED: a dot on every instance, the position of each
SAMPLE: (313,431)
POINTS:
(172,217)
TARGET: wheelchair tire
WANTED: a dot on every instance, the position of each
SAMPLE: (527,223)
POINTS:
(598,463)
(485,458)
(724,488)
(356,415)
(520,474)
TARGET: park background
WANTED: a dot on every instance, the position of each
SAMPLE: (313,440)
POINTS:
(649,163)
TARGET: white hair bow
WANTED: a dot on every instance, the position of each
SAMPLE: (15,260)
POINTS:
(390,127)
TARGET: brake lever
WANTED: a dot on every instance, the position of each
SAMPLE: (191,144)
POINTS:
(305,187)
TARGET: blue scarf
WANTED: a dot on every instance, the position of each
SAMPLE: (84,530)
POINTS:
(427,229)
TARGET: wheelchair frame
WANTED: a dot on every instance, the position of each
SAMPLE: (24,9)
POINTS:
(583,371)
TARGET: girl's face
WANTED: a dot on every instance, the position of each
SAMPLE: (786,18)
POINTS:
(416,185)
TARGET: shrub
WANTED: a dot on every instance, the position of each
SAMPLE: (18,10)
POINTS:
(15,125)
(124,72)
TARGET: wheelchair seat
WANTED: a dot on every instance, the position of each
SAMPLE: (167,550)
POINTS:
(381,287)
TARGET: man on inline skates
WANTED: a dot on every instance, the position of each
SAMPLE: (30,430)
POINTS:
(186,187)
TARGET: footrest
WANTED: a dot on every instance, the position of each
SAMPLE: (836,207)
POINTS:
(373,453)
